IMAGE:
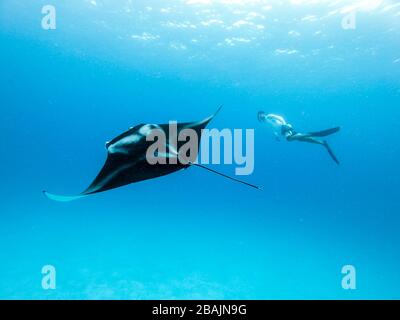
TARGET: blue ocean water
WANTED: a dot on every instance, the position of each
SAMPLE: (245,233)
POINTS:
(110,65)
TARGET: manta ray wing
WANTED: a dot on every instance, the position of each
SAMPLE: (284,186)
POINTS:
(126,159)
(60,198)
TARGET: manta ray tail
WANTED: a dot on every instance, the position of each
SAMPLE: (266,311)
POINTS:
(226,176)
(59,198)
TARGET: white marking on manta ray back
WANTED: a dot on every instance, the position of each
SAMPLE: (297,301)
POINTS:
(147,128)
(120,146)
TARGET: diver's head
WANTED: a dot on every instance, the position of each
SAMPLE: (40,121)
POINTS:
(261,116)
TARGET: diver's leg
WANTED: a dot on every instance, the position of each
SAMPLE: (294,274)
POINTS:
(320,134)
(304,138)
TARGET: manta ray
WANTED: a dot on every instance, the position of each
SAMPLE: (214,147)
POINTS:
(127,158)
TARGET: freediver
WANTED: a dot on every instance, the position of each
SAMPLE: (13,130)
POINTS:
(287,131)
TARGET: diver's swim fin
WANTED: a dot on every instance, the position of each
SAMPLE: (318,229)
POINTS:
(328,148)
(324,133)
